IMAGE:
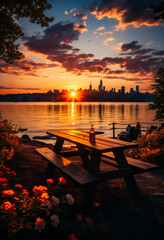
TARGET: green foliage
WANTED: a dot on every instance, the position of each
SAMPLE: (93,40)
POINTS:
(158,88)
(10,30)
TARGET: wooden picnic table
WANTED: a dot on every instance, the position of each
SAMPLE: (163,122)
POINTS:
(91,154)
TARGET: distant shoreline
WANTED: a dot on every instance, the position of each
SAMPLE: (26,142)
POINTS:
(76,101)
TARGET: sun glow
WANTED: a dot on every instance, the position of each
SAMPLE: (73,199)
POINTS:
(73,94)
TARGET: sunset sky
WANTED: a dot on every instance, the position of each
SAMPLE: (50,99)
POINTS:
(118,40)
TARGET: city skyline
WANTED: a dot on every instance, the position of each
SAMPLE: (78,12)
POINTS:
(118,41)
(92,95)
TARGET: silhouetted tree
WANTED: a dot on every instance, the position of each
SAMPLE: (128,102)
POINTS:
(159,10)
(10,30)
(158,88)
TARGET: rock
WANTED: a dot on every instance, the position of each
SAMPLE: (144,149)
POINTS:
(25,137)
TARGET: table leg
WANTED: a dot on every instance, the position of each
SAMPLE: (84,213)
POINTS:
(122,163)
(58,145)
(84,156)
(94,164)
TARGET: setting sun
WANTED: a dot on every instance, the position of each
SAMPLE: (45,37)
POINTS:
(73,94)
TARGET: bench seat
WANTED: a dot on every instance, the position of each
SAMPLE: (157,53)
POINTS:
(138,165)
(76,173)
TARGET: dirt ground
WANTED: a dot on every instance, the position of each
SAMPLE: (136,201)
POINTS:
(121,214)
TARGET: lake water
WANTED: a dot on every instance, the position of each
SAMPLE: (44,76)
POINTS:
(41,117)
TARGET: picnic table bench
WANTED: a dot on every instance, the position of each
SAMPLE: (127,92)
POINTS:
(92,154)
(76,173)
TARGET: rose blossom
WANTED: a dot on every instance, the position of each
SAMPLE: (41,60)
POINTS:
(55,220)
(18,186)
(7,205)
(39,224)
(55,201)
(51,181)
(48,204)
(38,190)
(7,193)
(24,191)
(3,180)
(14,173)
(62,180)
(72,237)
(70,199)
(44,196)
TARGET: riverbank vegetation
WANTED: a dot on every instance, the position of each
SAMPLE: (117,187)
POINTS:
(40,213)
(151,148)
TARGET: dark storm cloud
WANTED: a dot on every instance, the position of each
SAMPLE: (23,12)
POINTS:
(24,66)
(127,12)
(134,49)
(159,53)
(130,46)
(55,39)
(56,45)
(56,42)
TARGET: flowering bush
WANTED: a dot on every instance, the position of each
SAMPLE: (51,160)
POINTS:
(34,214)
(39,212)
(151,147)
(9,142)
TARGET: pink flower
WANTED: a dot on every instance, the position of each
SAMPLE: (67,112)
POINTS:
(70,199)
(48,204)
(39,224)
(54,220)
(55,201)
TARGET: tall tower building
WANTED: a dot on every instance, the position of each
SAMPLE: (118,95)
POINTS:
(137,88)
(101,86)
(90,87)
(123,89)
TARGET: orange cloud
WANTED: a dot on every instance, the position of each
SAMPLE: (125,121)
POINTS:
(108,40)
(80,27)
(149,43)
(124,12)
(100,28)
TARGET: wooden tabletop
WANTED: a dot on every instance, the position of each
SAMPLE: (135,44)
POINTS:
(102,144)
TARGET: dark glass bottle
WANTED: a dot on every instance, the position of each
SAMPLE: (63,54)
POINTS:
(92,134)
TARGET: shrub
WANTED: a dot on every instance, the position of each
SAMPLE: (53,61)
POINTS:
(39,214)
(9,142)
(151,148)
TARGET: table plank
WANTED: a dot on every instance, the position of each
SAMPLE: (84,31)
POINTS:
(80,141)
(108,139)
(84,141)
(102,140)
